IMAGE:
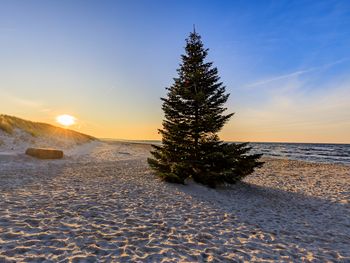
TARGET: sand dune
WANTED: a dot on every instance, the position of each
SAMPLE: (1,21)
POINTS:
(102,203)
(16,135)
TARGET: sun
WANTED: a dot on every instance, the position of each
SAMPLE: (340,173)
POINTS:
(65,120)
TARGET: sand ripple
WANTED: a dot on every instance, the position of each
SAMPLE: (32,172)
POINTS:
(116,211)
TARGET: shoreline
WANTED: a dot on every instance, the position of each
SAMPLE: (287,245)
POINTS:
(311,153)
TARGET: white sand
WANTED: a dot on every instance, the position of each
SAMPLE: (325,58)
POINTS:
(102,203)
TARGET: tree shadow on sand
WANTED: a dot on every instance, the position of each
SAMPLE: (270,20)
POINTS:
(293,219)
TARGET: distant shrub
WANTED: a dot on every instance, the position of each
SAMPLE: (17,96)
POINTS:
(32,133)
(5,126)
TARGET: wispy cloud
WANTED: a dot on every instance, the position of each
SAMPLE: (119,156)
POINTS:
(23,102)
(296,73)
(46,110)
(26,102)
(297,115)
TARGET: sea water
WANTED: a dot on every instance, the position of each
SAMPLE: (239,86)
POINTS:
(312,152)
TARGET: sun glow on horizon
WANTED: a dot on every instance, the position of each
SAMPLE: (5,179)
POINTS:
(65,120)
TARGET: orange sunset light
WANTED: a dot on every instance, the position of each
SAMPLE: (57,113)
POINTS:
(65,120)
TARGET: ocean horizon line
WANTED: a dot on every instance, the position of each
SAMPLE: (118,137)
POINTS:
(269,142)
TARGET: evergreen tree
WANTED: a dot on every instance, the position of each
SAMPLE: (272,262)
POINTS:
(194,113)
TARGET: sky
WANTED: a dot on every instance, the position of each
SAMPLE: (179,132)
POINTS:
(286,64)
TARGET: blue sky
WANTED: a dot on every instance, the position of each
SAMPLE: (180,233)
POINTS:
(285,63)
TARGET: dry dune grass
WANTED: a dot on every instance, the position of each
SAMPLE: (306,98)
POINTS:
(36,129)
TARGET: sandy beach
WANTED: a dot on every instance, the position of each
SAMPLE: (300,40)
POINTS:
(102,203)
